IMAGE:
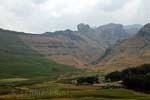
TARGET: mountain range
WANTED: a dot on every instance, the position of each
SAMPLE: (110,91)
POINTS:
(111,46)
(78,48)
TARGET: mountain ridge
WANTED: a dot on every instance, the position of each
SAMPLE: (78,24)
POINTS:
(76,48)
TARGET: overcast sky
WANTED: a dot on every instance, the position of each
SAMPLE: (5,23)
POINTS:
(39,16)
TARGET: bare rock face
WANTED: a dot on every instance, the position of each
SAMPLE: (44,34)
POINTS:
(83,27)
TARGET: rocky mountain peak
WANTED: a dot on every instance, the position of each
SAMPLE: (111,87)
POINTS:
(145,31)
(83,27)
(111,26)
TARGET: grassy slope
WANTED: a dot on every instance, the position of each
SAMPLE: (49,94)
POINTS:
(17,60)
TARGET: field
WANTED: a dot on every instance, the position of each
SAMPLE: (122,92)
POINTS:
(23,89)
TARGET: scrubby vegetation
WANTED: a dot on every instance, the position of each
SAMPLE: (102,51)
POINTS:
(88,80)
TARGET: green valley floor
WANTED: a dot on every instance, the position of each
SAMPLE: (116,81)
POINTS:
(23,89)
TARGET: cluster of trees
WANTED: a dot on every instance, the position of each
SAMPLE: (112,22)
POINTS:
(134,78)
(117,76)
(88,80)
(114,76)
(138,82)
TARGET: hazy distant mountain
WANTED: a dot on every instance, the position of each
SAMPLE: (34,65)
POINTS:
(132,29)
(145,32)
(131,52)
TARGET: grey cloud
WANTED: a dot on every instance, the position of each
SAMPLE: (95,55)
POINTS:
(115,5)
(38,16)
(39,1)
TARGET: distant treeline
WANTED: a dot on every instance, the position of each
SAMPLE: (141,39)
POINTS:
(137,78)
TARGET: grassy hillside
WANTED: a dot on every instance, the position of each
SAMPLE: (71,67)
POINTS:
(18,60)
